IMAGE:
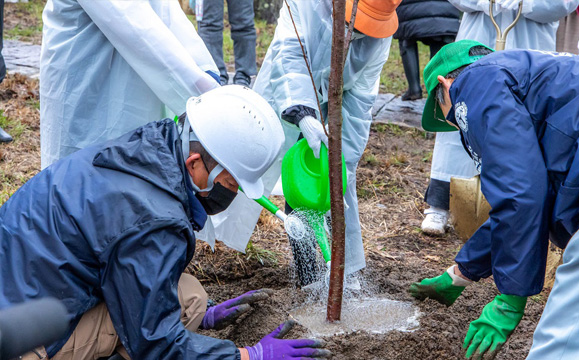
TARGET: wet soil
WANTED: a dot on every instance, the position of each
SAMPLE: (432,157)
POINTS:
(392,178)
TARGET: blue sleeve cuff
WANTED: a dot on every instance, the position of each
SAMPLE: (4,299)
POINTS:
(214,76)
(467,274)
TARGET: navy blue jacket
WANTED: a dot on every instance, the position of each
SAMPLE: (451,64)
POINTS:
(423,19)
(113,223)
(518,112)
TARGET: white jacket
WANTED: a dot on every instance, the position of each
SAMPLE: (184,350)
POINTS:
(108,67)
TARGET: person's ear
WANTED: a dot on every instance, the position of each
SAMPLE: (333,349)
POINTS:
(445,82)
(191,161)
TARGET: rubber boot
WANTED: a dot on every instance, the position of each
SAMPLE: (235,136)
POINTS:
(409,54)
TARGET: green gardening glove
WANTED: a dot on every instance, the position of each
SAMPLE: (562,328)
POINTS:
(491,330)
(439,288)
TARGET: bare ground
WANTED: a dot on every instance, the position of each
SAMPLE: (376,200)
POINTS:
(391,180)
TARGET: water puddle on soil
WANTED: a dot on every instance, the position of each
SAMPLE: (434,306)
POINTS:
(372,315)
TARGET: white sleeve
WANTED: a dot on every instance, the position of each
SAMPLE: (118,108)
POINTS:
(151,49)
(471,5)
(547,11)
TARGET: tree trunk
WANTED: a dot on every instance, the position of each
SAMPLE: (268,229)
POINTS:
(267,10)
(335,156)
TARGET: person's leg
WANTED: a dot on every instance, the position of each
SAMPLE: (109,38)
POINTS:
(211,31)
(96,337)
(2,63)
(93,338)
(556,335)
(193,300)
(449,159)
(4,136)
(435,46)
(241,19)
(409,54)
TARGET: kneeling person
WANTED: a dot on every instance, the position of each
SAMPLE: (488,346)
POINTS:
(109,231)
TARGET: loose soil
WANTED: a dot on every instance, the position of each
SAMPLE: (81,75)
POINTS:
(392,177)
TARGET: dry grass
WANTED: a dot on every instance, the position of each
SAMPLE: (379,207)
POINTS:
(23,21)
(19,160)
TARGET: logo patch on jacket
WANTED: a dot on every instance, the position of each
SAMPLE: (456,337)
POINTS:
(460,113)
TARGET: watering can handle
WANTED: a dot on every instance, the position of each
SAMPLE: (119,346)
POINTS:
(502,36)
(324,174)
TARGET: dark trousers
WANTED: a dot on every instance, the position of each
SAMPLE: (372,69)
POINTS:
(409,54)
(2,63)
(241,19)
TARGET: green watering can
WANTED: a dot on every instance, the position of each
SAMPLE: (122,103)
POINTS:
(306,186)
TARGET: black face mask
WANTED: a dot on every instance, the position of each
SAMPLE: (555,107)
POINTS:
(218,200)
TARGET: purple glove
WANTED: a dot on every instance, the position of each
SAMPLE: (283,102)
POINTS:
(273,347)
(220,316)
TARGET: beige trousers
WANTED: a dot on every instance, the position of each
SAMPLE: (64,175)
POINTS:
(95,336)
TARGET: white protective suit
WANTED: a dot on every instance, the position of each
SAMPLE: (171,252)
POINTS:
(557,334)
(284,81)
(535,30)
(110,66)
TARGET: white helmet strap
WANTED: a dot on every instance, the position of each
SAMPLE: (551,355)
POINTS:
(187,135)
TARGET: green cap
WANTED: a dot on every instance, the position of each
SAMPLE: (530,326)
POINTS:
(448,59)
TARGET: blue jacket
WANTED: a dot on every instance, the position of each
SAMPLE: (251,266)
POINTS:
(113,222)
(518,112)
(423,19)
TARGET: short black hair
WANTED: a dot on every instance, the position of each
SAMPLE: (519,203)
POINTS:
(474,51)
(196,147)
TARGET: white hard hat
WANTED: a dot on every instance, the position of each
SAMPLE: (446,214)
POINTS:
(240,130)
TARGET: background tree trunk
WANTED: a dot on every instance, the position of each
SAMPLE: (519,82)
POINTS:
(267,10)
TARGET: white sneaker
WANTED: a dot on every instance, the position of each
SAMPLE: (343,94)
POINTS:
(435,221)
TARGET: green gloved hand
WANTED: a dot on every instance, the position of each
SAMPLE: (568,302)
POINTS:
(439,288)
(491,330)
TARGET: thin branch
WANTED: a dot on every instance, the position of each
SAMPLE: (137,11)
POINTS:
(351,28)
(309,69)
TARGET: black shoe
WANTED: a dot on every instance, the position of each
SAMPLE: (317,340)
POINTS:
(242,79)
(4,136)
(408,96)
(224,80)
